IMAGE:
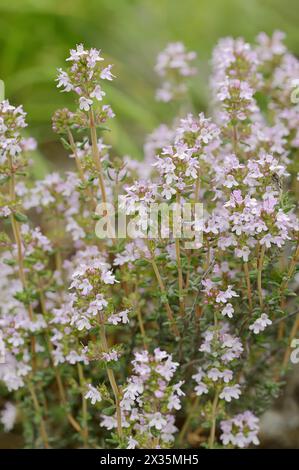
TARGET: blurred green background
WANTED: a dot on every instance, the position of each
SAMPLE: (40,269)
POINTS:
(35,36)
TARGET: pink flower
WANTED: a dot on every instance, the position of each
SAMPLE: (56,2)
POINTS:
(97,93)
(107,277)
(157,420)
(214,374)
(223,296)
(174,403)
(230,392)
(201,388)
(93,395)
(228,311)
(85,103)
(132,443)
(241,430)
(85,287)
(8,416)
(121,317)
(227,375)
(106,73)
(260,324)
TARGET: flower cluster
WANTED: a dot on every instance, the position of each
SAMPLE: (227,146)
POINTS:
(12,121)
(241,430)
(222,348)
(235,80)
(149,400)
(84,76)
(169,346)
(179,164)
(173,65)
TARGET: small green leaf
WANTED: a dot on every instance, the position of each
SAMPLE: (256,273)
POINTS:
(20,217)
(4,179)
(65,144)
(10,262)
(109,411)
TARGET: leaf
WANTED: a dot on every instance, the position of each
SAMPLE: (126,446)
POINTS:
(3,180)
(65,143)
(141,262)
(22,218)
(10,262)
(109,411)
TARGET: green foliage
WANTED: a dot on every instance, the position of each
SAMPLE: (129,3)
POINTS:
(34,36)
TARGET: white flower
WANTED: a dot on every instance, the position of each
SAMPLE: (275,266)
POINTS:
(108,422)
(5,211)
(85,103)
(230,182)
(8,416)
(85,287)
(168,191)
(82,323)
(260,324)
(230,392)
(121,317)
(214,374)
(167,369)
(114,319)
(73,357)
(223,296)
(124,316)
(201,388)
(108,278)
(106,73)
(177,388)
(243,253)
(133,389)
(241,430)
(227,375)
(109,356)
(93,57)
(228,310)
(64,81)
(199,375)
(158,421)
(97,305)
(93,394)
(97,93)
(132,443)
(174,403)
(160,355)
(77,53)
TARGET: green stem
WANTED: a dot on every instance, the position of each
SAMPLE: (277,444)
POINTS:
(259,276)
(112,381)
(213,417)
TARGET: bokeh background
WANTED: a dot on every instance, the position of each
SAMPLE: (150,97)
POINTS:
(35,36)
